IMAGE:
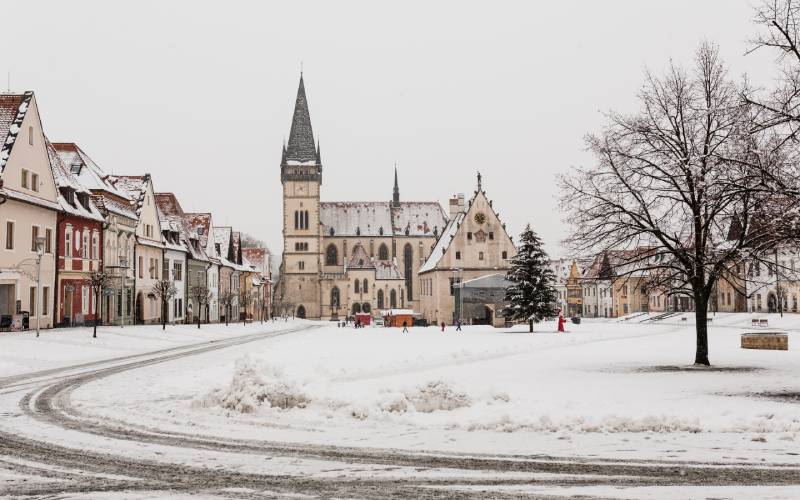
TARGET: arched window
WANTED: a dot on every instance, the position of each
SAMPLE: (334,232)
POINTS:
(301,312)
(364,287)
(383,252)
(331,255)
(356,308)
(305,225)
(356,286)
(296,219)
(335,298)
(365,307)
(393,299)
(408,269)
(380,299)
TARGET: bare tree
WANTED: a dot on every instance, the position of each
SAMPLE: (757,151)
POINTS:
(202,295)
(164,290)
(227,299)
(97,282)
(778,30)
(681,189)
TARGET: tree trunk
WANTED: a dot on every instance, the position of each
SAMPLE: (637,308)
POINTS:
(530,326)
(199,313)
(163,314)
(96,312)
(701,317)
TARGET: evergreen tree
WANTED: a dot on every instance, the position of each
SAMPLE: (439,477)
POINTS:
(532,294)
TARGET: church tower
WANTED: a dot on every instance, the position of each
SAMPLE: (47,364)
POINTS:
(301,176)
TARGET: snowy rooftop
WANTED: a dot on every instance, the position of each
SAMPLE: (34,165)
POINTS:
(89,174)
(66,180)
(376,218)
(13,108)
(443,243)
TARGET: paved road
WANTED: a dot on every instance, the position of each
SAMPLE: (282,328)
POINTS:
(45,398)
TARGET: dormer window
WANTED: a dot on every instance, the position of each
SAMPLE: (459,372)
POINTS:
(75,168)
(200,231)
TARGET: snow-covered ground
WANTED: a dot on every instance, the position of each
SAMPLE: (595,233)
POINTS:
(605,388)
(22,352)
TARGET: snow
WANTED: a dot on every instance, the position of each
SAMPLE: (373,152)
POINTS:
(22,352)
(607,388)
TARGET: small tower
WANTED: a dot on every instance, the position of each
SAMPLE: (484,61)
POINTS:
(396,192)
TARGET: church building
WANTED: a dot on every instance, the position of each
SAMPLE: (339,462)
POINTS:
(340,258)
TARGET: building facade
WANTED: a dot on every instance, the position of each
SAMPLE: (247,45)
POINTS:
(320,238)
(473,244)
(28,214)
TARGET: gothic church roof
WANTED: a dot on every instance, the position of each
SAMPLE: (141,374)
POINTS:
(301,137)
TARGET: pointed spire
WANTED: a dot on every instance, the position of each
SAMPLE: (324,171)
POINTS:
(301,137)
(396,192)
(319,155)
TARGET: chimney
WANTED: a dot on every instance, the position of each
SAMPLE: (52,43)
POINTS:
(456,205)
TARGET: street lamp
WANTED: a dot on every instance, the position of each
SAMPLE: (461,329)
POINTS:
(123,264)
(40,240)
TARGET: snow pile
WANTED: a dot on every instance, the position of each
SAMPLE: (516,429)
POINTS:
(256,384)
(435,395)
(606,424)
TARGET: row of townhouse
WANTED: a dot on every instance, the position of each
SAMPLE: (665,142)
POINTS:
(604,287)
(62,218)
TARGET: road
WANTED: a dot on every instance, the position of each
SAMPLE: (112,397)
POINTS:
(44,467)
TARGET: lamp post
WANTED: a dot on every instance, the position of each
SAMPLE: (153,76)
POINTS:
(123,272)
(39,253)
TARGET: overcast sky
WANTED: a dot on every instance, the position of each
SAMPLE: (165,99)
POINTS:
(200,94)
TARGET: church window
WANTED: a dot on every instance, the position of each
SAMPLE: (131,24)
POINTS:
(469,235)
(491,235)
(335,297)
(365,307)
(364,287)
(357,286)
(331,255)
(356,308)
(408,271)
(393,299)
(380,299)
(458,255)
(383,252)
(301,265)
(505,255)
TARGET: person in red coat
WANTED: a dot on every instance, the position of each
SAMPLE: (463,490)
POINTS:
(561,322)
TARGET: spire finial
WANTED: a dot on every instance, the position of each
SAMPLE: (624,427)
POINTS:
(479,180)
(301,69)
(396,192)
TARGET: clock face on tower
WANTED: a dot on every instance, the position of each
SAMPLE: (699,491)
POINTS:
(480,218)
(301,188)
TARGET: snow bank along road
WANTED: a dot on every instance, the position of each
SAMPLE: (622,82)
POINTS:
(48,446)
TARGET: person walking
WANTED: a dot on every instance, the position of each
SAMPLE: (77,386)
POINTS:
(458,325)
(443,326)
(405,327)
